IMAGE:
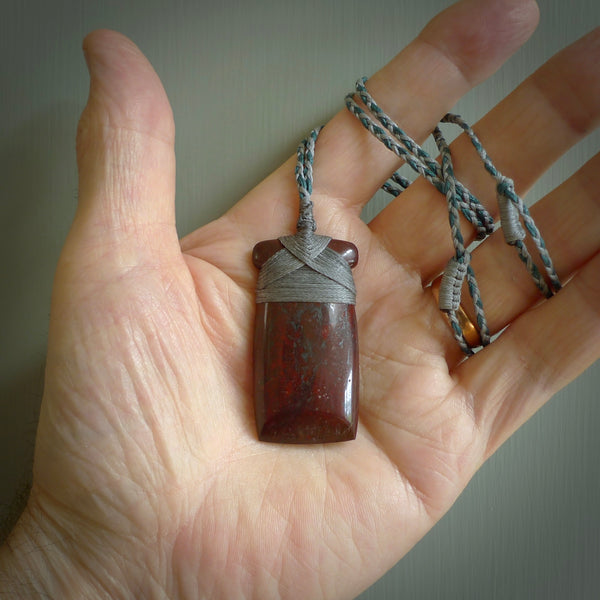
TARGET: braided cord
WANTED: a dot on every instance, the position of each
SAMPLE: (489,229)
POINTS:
(459,199)
(510,217)
(396,140)
(306,269)
(462,257)
(304,180)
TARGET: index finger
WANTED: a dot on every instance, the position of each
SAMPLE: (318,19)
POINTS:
(459,48)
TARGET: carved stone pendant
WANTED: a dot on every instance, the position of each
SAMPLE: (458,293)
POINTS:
(305,364)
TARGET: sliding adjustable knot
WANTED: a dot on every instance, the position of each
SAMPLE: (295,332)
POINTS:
(306,270)
(515,220)
(509,214)
(452,281)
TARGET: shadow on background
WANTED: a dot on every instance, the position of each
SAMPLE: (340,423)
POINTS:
(19,410)
(39,184)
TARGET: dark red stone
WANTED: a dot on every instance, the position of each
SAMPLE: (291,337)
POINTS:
(305,365)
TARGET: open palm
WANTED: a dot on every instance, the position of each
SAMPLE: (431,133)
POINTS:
(149,481)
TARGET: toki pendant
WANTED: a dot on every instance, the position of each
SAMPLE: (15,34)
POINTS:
(306,361)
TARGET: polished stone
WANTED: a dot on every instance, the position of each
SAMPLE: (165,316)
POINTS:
(305,365)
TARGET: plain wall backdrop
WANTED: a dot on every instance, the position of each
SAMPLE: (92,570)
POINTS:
(247,80)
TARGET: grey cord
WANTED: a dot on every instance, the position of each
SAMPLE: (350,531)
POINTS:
(459,198)
(305,269)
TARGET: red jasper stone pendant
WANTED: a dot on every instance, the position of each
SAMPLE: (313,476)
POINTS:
(305,364)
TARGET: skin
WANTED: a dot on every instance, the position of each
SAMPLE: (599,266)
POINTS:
(149,481)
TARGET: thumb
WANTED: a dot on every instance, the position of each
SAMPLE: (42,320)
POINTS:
(125,147)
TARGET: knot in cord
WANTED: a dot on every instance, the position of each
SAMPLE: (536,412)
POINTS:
(452,281)
(304,180)
(509,214)
(306,269)
(459,198)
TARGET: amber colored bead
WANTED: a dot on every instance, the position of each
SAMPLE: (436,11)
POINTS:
(305,365)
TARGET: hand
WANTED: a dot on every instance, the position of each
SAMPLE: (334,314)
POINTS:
(149,481)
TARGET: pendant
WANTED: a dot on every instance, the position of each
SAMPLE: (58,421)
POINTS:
(305,352)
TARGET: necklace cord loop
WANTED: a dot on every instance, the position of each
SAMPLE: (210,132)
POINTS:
(515,220)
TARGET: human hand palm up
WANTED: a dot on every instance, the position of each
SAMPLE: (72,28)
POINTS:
(148,473)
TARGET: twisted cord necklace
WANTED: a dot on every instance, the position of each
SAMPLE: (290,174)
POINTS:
(511,208)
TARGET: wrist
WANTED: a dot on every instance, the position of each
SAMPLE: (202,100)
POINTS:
(22,566)
(49,554)
(34,562)
(25,565)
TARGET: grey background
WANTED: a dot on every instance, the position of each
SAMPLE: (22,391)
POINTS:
(247,80)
